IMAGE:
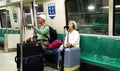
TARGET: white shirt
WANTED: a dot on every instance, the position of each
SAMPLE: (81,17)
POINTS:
(73,38)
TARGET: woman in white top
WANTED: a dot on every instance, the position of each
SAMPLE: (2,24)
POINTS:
(72,39)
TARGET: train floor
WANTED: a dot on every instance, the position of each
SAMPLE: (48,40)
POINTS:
(7,63)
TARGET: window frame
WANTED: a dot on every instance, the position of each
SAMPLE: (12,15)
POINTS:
(111,18)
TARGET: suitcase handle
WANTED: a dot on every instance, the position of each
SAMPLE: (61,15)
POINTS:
(16,59)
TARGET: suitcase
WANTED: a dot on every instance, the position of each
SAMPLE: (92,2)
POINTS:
(69,60)
(32,57)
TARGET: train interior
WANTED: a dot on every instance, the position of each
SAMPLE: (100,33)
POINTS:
(97,22)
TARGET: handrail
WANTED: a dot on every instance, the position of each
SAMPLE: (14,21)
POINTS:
(21,34)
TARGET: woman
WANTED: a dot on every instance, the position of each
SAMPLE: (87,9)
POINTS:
(72,39)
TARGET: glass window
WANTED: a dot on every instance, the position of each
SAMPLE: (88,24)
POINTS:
(39,9)
(5,23)
(90,15)
(117,18)
(27,12)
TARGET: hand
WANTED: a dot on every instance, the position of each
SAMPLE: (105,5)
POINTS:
(60,49)
(30,25)
(68,44)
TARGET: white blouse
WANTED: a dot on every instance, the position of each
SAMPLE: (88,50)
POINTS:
(73,38)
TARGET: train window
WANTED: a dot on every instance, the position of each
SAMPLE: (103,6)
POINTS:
(39,8)
(26,9)
(90,15)
(27,14)
(5,22)
(117,18)
(30,12)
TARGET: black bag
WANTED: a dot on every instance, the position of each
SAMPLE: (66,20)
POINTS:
(53,34)
(32,57)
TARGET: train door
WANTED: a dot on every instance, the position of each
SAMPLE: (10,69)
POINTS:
(30,12)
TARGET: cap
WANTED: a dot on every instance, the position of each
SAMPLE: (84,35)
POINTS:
(75,24)
(42,16)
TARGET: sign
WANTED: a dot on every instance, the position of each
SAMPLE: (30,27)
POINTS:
(51,10)
(15,16)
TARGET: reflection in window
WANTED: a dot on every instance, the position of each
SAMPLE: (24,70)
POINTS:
(91,15)
(39,9)
(5,23)
(28,19)
(28,14)
(117,18)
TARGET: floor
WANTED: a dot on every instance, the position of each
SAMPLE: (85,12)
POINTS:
(7,62)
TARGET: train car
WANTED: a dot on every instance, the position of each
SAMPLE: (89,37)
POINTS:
(97,23)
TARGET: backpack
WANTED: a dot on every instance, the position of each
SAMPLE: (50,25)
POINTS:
(55,44)
(53,35)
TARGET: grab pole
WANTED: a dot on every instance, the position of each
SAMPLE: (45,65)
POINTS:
(21,34)
(6,25)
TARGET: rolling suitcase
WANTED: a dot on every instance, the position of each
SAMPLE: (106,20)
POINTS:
(32,57)
(69,60)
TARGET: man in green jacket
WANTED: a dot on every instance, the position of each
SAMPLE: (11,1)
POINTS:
(42,31)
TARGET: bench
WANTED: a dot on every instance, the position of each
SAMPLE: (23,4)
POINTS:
(71,54)
(101,51)
(9,38)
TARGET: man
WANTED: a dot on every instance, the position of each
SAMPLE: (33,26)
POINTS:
(42,32)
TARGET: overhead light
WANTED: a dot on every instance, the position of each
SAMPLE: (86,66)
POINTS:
(91,7)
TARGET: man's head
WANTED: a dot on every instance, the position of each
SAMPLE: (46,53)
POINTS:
(41,19)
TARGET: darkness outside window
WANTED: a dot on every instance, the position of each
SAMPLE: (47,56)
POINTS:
(117,18)
(5,23)
(90,15)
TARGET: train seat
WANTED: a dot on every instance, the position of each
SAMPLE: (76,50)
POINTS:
(8,35)
(101,51)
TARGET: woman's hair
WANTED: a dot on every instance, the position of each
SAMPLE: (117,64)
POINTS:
(74,24)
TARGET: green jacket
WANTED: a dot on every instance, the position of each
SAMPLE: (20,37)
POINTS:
(42,31)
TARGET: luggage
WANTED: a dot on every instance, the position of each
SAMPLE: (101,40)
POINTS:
(32,57)
(70,60)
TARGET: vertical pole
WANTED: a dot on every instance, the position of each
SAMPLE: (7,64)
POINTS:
(111,7)
(66,12)
(6,25)
(34,8)
(114,31)
(21,35)
(34,14)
